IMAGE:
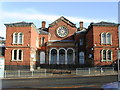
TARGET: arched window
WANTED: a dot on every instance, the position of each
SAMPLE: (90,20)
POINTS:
(53,56)
(81,41)
(70,57)
(42,41)
(17,54)
(81,57)
(108,38)
(104,54)
(109,55)
(103,38)
(14,55)
(20,38)
(42,57)
(17,38)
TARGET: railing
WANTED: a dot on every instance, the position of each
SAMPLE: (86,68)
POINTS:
(25,73)
(96,71)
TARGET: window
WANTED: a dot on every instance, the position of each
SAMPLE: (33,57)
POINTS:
(42,40)
(106,55)
(103,38)
(17,38)
(106,38)
(17,55)
(42,57)
(109,54)
(20,38)
(81,41)
(81,57)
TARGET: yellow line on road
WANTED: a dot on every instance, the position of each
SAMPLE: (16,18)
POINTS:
(77,86)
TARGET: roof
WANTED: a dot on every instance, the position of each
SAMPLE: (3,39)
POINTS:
(102,23)
(43,32)
(81,31)
(62,19)
(20,24)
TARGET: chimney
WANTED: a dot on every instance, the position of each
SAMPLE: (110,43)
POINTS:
(81,24)
(43,24)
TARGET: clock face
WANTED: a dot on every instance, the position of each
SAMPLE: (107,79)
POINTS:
(62,31)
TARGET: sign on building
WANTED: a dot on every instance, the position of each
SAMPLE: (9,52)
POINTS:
(1,67)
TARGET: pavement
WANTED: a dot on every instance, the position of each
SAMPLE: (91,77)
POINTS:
(56,76)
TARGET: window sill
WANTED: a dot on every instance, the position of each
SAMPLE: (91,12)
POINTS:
(16,60)
(105,44)
(106,60)
(17,43)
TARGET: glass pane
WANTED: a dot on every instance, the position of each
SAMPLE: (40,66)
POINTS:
(15,38)
(108,38)
(15,54)
(104,38)
(104,55)
(20,55)
(20,38)
(109,55)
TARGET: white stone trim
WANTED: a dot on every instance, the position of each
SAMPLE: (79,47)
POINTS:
(17,56)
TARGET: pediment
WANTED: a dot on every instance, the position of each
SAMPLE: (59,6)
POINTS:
(64,20)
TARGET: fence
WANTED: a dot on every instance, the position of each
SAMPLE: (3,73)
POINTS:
(25,73)
(96,71)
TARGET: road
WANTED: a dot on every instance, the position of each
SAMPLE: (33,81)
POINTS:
(62,82)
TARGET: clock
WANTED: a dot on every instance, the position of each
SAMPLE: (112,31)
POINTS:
(62,31)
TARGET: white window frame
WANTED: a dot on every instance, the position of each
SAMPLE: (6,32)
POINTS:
(102,39)
(17,55)
(106,55)
(18,38)
(106,39)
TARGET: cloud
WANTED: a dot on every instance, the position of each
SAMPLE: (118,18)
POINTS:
(38,16)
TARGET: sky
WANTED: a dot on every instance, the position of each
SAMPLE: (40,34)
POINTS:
(37,12)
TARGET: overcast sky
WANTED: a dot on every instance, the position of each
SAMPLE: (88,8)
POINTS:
(49,11)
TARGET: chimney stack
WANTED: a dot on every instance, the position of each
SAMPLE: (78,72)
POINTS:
(81,25)
(43,24)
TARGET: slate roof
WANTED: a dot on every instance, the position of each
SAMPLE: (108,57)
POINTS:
(81,31)
(43,31)
(20,24)
(102,23)
(62,19)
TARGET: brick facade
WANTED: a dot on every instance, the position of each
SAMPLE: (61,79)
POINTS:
(43,47)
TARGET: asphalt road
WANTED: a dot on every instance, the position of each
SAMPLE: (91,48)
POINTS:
(62,82)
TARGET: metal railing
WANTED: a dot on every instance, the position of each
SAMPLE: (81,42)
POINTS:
(96,71)
(25,73)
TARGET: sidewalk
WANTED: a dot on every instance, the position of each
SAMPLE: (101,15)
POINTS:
(55,76)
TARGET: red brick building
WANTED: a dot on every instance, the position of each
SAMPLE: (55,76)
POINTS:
(61,45)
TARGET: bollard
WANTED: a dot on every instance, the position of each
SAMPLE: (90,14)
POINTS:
(76,71)
(45,72)
(18,73)
(101,71)
(5,74)
(113,70)
(89,70)
(32,73)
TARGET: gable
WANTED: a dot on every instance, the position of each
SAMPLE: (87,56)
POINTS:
(64,20)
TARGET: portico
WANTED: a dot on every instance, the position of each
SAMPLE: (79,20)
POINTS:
(61,56)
